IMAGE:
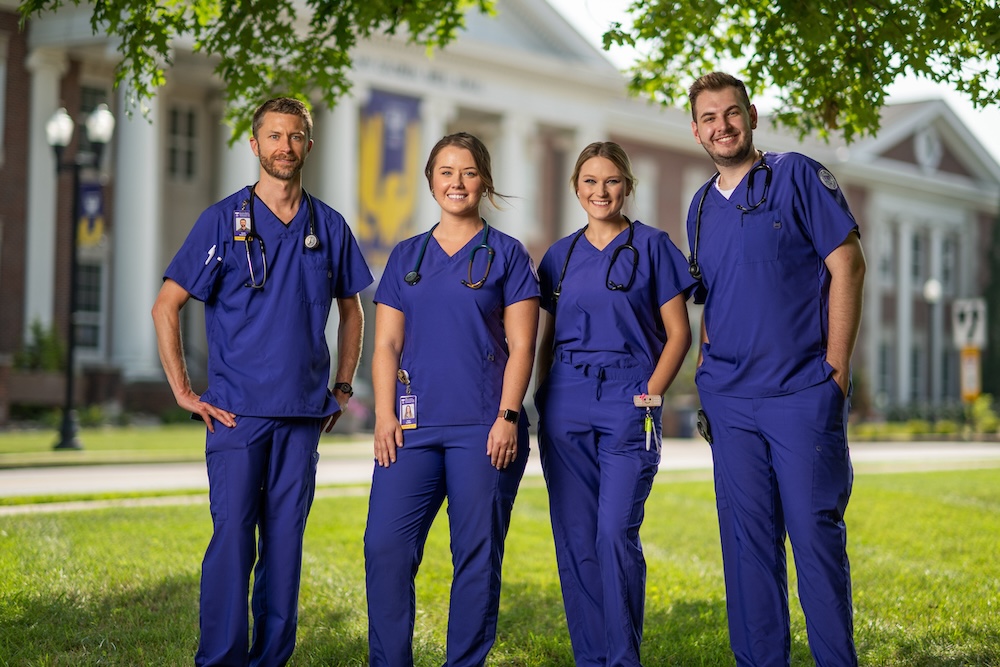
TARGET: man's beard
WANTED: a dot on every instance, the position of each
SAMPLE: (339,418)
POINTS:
(282,174)
(741,153)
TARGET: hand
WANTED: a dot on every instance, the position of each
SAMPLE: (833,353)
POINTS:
(192,403)
(501,443)
(388,438)
(843,379)
(329,421)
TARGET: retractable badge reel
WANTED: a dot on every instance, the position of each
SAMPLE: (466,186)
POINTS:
(648,402)
(407,403)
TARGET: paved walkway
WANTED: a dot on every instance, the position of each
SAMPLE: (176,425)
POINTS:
(351,463)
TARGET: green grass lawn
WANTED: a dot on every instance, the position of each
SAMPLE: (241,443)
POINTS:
(135,444)
(119,586)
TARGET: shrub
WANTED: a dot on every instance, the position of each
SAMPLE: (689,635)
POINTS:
(44,351)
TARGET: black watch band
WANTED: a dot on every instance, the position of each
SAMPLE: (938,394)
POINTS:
(345,388)
(510,415)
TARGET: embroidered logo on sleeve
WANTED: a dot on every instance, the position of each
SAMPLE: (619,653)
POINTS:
(827,179)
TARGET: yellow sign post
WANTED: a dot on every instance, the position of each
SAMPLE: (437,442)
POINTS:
(971,376)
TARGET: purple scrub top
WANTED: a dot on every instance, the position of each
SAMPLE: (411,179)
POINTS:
(454,346)
(617,329)
(765,283)
(268,355)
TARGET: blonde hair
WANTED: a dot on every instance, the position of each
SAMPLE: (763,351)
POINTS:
(610,151)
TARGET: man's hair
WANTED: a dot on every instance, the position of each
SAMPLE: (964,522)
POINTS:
(610,151)
(286,105)
(716,81)
(480,156)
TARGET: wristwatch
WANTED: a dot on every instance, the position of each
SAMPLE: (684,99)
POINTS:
(510,415)
(344,388)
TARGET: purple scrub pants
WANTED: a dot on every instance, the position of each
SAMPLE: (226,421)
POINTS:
(782,463)
(435,463)
(599,474)
(262,479)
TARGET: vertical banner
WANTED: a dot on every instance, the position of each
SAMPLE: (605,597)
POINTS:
(90,229)
(390,173)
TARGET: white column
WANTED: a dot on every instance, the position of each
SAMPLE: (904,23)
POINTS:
(879,232)
(904,312)
(333,169)
(136,261)
(238,167)
(47,67)
(515,173)
(645,202)
(331,174)
(436,114)
(935,326)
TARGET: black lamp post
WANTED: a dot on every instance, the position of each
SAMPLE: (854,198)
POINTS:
(58,132)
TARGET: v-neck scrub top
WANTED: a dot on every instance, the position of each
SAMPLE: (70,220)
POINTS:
(616,329)
(268,355)
(765,283)
(454,346)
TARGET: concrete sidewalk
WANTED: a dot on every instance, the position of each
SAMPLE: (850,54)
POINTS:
(352,463)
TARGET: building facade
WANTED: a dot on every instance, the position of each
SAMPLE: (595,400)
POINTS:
(925,191)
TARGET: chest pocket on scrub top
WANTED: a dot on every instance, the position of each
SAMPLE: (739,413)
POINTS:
(760,236)
(317,279)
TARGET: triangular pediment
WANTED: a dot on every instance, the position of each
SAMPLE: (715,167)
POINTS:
(927,138)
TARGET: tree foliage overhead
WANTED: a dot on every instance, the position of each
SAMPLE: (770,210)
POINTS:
(262,47)
(831,61)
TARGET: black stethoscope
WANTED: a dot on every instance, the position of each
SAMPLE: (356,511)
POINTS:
(413,277)
(693,267)
(311,241)
(610,284)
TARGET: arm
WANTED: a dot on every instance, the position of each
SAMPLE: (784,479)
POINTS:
(847,268)
(167,320)
(703,338)
(675,320)
(520,322)
(349,338)
(544,356)
(388,349)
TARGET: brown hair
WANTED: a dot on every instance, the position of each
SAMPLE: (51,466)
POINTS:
(716,81)
(611,151)
(480,156)
(286,105)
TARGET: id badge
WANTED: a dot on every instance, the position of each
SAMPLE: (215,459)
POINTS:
(241,225)
(408,411)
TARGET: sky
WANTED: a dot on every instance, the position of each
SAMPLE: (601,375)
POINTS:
(591,18)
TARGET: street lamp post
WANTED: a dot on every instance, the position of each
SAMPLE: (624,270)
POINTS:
(100,126)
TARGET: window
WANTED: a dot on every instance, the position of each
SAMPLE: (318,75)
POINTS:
(88,304)
(182,143)
(916,374)
(885,352)
(917,261)
(948,261)
(90,98)
(885,256)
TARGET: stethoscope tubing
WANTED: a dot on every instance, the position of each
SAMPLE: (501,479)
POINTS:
(614,287)
(693,267)
(413,277)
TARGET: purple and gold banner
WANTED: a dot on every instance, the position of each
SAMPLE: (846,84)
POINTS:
(91,222)
(390,173)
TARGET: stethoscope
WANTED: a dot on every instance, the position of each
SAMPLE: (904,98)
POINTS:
(413,277)
(693,267)
(610,284)
(311,241)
